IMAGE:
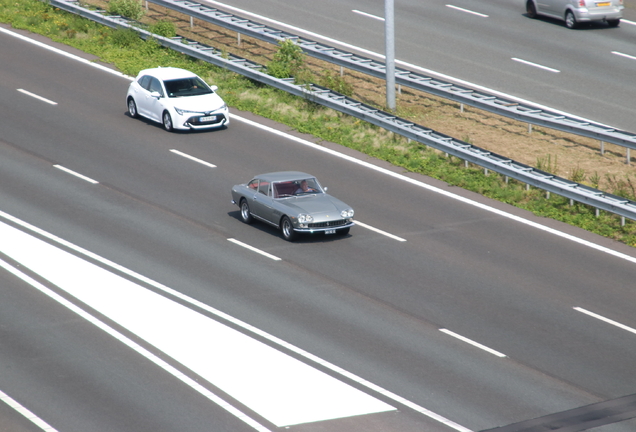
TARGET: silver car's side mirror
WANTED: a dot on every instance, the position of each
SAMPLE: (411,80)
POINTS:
(325,188)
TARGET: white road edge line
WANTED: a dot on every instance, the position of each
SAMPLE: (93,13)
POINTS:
(24,411)
(235,321)
(369,227)
(253,249)
(136,347)
(526,62)
(607,320)
(368,15)
(624,55)
(187,156)
(442,191)
(624,21)
(71,172)
(472,342)
(467,11)
(28,93)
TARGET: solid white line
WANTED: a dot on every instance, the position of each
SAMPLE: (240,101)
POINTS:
(369,227)
(441,191)
(368,15)
(607,320)
(253,249)
(237,322)
(22,410)
(192,158)
(467,11)
(281,388)
(624,21)
(136,347)
(478,345)
(624,55)
(549,69)
(83,177)
(37,97)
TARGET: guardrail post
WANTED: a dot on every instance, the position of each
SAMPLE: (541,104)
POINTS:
(622,220)
(191,21)
(238,38)
(547,194)
(602,148)
(628,157)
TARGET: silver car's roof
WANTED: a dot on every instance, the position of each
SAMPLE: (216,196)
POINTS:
(283,176)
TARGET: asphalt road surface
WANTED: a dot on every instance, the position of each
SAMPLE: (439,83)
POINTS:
(441,311)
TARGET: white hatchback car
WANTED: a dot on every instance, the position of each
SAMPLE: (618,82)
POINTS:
(574,12)
(176,98)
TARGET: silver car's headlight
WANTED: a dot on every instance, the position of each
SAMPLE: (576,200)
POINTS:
(182,111)
(346,214)
(305,218)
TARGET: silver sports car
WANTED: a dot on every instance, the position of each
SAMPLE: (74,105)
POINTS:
(294,202)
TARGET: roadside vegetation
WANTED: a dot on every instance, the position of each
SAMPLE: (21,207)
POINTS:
(545,149)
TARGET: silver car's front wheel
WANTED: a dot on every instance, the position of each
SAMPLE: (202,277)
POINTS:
(246,216)
(288,229)
(167,121)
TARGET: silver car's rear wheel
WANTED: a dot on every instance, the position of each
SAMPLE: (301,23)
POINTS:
(288,229)
(531,9)
(246,216)
(167,121)
(132,108)
(570,20)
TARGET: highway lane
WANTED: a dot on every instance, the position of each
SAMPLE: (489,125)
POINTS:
(380,314)
(74,377)
(591,81)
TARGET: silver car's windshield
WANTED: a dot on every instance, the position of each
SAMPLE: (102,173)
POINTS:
(300,187)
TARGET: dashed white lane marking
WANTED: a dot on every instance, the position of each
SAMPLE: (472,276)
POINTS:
(526,62)
(275,385)
(76,174)
(253,249)
(607,320)
(37,97)
(467,11)
(368,15)
(24,411)
(631,57)
(187,156)
(379,231)
(472,342)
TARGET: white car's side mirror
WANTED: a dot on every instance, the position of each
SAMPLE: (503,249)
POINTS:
(155,94)
(214,88)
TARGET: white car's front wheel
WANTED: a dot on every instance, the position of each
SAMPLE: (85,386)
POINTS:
(132,108)
(167,121)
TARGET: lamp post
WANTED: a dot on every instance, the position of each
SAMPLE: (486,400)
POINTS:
(389,48)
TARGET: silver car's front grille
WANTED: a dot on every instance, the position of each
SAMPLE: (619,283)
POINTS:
(334,223)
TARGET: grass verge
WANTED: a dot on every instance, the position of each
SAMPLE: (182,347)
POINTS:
(129,54)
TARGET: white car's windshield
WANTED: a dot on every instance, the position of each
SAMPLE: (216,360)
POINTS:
(194,86)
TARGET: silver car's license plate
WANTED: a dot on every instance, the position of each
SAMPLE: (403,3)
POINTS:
(207,118)
(330,232)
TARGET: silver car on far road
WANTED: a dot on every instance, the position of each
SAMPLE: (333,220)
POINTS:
(574,12)
(293,202)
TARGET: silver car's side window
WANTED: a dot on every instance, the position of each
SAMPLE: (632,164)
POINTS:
(263,188)
(253,184)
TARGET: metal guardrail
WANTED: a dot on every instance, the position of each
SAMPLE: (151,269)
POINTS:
(461,94)
(326,97)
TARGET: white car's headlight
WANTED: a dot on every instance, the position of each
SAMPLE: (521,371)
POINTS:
(346,214)
(304,218)
(182,111)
